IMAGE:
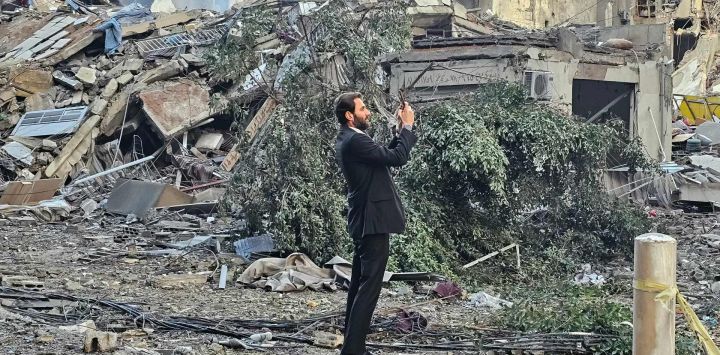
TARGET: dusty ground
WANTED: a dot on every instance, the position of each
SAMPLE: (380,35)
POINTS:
(60,257)
(56,254)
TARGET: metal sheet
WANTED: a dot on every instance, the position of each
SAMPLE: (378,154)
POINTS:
(133,196)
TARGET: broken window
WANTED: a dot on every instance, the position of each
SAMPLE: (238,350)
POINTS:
(647,8)
(601,101)
(50,122)
(168,45)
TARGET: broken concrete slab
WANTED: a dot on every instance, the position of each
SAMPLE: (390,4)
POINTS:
(30,81)
(58,36)
(125,78)
(707,162)
(110,88)
(30,192)
(66,81)
(99,106)
(163,72)
(193,60)
(96,341)
(47,53)
(19,152)
(82,39)
(115,114)
(38,102)
(86,75)
(210,141)
(41,47)
(176,107)
(134,65)
(61,43)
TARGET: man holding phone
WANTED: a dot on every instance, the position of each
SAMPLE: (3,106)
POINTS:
(374,206)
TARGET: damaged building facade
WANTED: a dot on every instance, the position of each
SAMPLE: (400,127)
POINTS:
(591,82)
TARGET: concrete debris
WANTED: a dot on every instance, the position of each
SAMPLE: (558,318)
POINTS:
(30,81)
(67,81)
(125,78)
(38,102)
(110,88)
(133,65)
(180,280)
(87,75)
(96,341)
(163,72)
(176,107)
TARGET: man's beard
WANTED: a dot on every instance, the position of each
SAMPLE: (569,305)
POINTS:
(362,125)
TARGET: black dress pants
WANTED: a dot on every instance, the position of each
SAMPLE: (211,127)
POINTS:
(369,262)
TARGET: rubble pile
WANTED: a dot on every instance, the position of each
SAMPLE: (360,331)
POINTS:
(93,94)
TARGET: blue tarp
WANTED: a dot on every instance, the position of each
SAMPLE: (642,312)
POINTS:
(113,34)
(133,13)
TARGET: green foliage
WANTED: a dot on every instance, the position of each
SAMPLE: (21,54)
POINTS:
(484,161)
(235,58)
(481,164)
(567,308)
(571,308)
(288,182)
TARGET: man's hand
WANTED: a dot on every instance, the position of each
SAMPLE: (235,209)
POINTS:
(406,115)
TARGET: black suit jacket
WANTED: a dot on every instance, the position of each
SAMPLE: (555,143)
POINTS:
(374,206)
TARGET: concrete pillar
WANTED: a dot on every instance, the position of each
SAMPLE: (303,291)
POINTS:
(654,321)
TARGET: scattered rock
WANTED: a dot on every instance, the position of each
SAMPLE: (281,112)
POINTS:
(134,65)
(73,286)
(100,341)
(99,106)
(49,145)
(110,88)
(193,60)
(79,328)
(125,78)
(37,102)
(715,287)
(67,81)
(28,82)
(86,75)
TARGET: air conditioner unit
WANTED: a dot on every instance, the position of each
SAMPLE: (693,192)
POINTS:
(539,84)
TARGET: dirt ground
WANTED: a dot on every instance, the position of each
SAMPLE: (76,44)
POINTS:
(61,258)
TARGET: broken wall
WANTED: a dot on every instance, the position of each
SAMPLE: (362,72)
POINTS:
(652,103)
(542,13)
(691,76)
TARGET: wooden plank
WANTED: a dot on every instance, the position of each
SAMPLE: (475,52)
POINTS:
(223,277)
(30,192)
(75,149)
(261,117)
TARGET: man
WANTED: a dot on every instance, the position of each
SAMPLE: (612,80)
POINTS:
(374,207)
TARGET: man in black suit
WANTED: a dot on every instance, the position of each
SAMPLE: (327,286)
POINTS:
(374,207)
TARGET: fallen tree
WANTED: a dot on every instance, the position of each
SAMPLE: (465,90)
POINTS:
(486,168)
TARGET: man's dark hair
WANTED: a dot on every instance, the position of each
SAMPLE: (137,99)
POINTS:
(345,103)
